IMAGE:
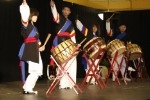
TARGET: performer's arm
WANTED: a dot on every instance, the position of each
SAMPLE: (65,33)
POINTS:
(25,12)
(42,48)
(54,11)
(108,28)
(81,28)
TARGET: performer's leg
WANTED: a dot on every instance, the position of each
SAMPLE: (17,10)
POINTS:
(123,68)
(115,70)
(91,76)
(35,70)
(66,82)
(30,83)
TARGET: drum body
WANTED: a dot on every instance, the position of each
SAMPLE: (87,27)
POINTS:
(93,46)
(133,51)
(115,45)
(64,51)
(103,72)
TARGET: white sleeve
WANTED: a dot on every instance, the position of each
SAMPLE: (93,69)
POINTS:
(108,29)
(25,12)
(55,14)
(79,25)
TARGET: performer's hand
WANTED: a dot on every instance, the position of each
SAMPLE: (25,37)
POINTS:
(52,3)
(42,48)
(108,20)
(78,45)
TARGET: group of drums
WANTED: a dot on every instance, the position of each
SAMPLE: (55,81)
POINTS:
(68,48)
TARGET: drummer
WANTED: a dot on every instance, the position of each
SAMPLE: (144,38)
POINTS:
(123,36)
(94,32)
(65,30)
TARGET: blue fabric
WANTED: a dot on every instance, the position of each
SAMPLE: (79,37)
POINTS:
(66,25)
(84,63)
(23,71)
(55,41)
(32,34)
(121,35)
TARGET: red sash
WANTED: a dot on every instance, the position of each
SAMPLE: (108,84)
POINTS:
(30,39)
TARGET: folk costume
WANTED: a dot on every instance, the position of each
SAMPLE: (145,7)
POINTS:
(65,30)
(88,35)
(29,51)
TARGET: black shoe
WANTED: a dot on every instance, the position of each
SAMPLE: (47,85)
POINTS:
(67,88)
(30,92)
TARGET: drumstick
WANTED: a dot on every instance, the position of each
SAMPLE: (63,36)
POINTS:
(111,15)
(82,41)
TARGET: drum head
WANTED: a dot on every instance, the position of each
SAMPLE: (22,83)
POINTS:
(92,47)
(64,51)
(135,56)
(115,46)
(133,51)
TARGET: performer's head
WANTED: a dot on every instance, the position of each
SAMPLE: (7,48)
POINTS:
(66,10)
(34,13)
(122,28)
(96,28)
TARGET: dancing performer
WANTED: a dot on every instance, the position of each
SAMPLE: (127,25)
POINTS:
(30,49)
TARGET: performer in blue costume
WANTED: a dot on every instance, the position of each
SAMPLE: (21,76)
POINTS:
(64,30)
(123,36)
(89,34)
(30,49)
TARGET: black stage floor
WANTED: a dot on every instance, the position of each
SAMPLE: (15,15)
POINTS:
(136,90)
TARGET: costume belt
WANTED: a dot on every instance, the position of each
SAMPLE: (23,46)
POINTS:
(30,39)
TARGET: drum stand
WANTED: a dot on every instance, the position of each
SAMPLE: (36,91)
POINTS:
(114,60)
(63,72)
(138,64)
(92,71)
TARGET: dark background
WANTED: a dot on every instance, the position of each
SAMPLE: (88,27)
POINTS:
(138,26)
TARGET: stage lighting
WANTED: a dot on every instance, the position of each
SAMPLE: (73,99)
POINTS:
(101,16)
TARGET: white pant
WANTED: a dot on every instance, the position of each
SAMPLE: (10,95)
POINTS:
(35,70)
(93,68)
(71,68)
(115,65)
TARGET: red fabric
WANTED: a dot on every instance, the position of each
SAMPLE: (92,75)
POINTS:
(51,60)
(30,39)
(63,34)
(24,22)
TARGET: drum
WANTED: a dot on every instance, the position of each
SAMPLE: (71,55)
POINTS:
(115,45)
(64,51)
(93,46)
(133,51)
(103,72)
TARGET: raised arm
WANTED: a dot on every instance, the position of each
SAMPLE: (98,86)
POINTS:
(25,12)
(54,11)
(108,28)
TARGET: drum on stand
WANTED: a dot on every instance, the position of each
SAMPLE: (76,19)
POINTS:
(93,46)
(133,51)
(114,46)
(64,51)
